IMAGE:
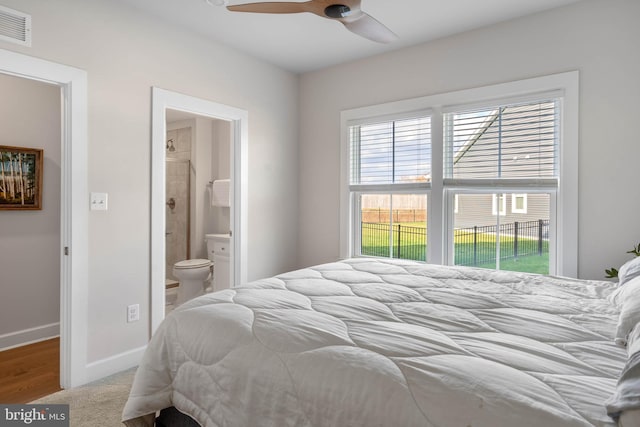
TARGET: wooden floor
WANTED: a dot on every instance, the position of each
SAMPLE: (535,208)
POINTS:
(30,372)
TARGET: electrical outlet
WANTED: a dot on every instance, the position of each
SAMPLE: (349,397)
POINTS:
(133,313)
(99,201)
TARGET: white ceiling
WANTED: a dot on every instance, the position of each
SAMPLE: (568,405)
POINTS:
(306,42)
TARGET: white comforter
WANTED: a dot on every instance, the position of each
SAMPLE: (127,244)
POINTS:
(387,343)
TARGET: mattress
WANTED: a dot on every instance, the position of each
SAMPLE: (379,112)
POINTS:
(371,342)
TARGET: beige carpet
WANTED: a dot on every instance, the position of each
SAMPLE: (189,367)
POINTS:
(96,404)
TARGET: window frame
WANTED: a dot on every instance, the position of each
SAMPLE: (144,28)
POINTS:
(514,203)
(563,259)
(494,204)
(357,206)
(553,213)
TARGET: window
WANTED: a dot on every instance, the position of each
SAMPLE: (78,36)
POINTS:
(390,170)
(393,225)
(391,152)
(498,200)
(505,146)
(507,242)
(519,203)
(453,160)
(503,141)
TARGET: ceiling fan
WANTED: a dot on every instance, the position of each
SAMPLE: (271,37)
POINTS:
(347,12)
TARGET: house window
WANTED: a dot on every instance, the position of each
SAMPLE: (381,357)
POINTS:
(456,158)
(498,201)
(519,203)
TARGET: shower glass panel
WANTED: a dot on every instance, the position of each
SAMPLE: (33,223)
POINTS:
(177,213)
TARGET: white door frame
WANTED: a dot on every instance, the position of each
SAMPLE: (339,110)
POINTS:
(74,207)
(161,101)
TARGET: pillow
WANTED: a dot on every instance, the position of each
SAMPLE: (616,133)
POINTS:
(628,271)
(627,298)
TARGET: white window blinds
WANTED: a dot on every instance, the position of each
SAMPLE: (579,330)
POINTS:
(393,152)
(518,141)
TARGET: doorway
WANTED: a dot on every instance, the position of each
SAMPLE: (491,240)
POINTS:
(27,314)
(74,244)
(188,107)
(198,162)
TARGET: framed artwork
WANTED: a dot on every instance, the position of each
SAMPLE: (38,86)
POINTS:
(20,178)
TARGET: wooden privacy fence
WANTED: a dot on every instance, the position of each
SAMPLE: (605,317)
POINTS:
(399,215)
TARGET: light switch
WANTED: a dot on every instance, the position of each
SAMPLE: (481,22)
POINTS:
(98,201)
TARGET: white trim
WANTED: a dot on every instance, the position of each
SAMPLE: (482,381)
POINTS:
(435,202)
(493,183)
(390,117)
(566,227)
(566,85)
(113,364)
(485,104)
(391,188)
(29,336)
(74,222)
(162,100)
(494,204)
(347,198)
(514,203)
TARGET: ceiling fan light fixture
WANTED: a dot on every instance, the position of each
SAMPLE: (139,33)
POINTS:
(337,11)
(217,2)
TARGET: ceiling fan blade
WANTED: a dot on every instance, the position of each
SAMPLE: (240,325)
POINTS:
(271,7)
(368,27)
(348,12)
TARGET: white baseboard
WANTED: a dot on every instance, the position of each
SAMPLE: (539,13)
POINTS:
(112,365)
(29,336)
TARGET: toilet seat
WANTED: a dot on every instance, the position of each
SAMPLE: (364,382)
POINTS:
(192,263)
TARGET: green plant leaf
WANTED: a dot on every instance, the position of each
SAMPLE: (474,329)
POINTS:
(635,250)
(611,273)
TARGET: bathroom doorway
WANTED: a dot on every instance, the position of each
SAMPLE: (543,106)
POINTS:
(197,151)
(216,150)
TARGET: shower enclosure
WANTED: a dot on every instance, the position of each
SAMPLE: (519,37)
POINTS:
(177,213)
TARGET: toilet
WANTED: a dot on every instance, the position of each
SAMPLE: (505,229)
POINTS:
(192,275)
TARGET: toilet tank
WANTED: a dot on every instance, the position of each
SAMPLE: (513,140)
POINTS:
(219,251)
(217,244)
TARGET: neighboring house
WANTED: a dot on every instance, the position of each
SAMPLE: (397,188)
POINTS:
(481,210)
(504,143)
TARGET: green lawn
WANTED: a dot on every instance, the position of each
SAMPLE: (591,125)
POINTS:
(410,243)
(526,264)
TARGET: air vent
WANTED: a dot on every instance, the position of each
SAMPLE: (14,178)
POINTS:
(15,26)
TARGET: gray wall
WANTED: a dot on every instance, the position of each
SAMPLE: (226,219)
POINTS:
(125,53)
(30,240)
(598,38)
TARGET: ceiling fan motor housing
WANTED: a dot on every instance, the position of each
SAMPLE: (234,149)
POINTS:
(337,11)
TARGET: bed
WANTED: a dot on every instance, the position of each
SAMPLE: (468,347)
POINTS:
(381,342)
